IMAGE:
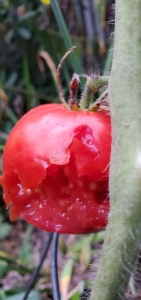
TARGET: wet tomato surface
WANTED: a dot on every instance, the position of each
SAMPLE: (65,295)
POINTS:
(56,169)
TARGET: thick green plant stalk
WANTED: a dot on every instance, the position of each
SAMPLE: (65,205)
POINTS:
(123,233)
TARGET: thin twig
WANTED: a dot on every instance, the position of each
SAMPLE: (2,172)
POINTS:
(58,74)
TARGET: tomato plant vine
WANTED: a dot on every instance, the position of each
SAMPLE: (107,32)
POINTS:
(123,233)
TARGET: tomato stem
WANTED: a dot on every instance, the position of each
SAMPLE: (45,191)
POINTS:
(123,233)
(93,84)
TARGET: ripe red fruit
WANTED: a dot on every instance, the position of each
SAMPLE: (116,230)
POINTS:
(56,167)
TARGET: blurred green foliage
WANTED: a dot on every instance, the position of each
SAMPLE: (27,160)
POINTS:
(27,27)
(27,80)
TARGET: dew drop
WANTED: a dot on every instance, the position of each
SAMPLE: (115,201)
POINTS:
(21,190)
(32,213)
(28,191)
(82,207)
(40,206)
(28,205)
(77,199)
(69,200)
(58,227)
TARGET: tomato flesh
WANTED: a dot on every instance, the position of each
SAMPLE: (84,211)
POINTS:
(56,168)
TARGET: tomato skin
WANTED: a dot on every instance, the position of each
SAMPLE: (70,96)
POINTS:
(56,168)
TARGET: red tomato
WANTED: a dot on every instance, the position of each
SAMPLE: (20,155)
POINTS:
(56,167)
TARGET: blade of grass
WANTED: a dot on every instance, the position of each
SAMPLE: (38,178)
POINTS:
(73,294)
(108,62)
(34,295)
(1,147)
(99,29)
(65,277)
(19,262)
(66,37)
(30,93)
(26,75)
(11,115)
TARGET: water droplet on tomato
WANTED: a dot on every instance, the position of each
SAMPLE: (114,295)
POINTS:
(32,213)
(20,193)
(83,207)
(77,199)
(58,227)
(28,205)
(28,191)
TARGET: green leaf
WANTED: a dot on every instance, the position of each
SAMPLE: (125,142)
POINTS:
(24,33)
(99,237)
(66,276)
(4,230)
(1,147)
(11,115)
(85,255)
(2,294)
(34,295)
(12,79)
(76,296)
(3,268)
(28,15)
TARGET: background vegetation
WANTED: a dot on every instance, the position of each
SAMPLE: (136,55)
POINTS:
(33,38)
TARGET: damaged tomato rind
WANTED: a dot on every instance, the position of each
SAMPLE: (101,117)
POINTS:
(56,169)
